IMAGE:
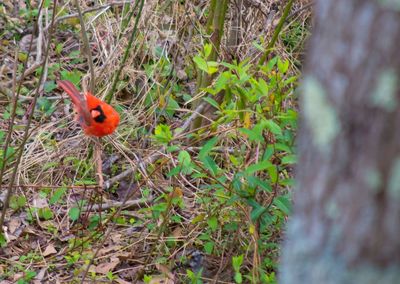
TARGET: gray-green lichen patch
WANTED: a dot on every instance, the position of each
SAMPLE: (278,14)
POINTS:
(373,179)
(331,209)
(384,94)
(394,179)
(391,4)
(320,115)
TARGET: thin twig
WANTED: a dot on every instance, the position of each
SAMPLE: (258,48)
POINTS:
(89,10)
(98,163)
(298,11)
(116,204)
(85,41)
(192,117)
(26,130)
(277,32)
(129,171)
(127,51)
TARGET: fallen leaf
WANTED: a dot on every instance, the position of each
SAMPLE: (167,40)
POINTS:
(160,279)
(177,233)
(120,281)
(106,250)
(39,277)
(104,268)
(49,250)
(40,202)
(17,276)
(166,271)
(14,225)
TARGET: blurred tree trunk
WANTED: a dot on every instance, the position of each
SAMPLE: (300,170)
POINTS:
(346,222)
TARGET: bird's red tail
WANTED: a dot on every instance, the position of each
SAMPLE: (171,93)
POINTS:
(78,99)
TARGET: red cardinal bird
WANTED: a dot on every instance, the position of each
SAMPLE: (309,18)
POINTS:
(96,117)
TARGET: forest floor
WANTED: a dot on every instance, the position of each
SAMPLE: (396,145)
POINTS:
(179,203)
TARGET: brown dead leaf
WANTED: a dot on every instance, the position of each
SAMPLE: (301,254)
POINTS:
(167,273)
(103,268)
(17,276)
(14,225)
(108,249)
(116,238)
(49,250)
(123,255)
(160,279)
(40,202)
(120,281)
(39,277)
(177,233)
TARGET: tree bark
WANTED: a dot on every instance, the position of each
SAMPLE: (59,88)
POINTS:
(346,222)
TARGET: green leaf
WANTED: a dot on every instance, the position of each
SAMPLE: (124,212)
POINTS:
(269,152)
(174,171)
(210,164)
(222,82)
(237,262)
(254,134)
(172,106)
(185,161)
(49,86)
(238,277)
(283,147)
(263,184)
(287,182)
(283,203)
(207,50)
(208,247)
(172,148)
(257,212)
(46,3)
(272,126)
(263,87)
(17,202)
(258,46)
(74,213)
(59,48)
(73,76)
(289,160)
(45,213)
(2,135)
(212,223)
(283,66)
(201,63)
(271,63)
(3,240)
(273,173)
(207,147)
(259,167)
(162,133)
(58,193)
(50,165)
(212,102)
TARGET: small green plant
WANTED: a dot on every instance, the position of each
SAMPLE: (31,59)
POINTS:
(194,277)
(237,262)
(17,202)
(28,276)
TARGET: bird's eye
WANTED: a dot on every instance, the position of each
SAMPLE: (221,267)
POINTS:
(98,114)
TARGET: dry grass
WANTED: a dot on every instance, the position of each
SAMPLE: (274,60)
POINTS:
(58,155)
